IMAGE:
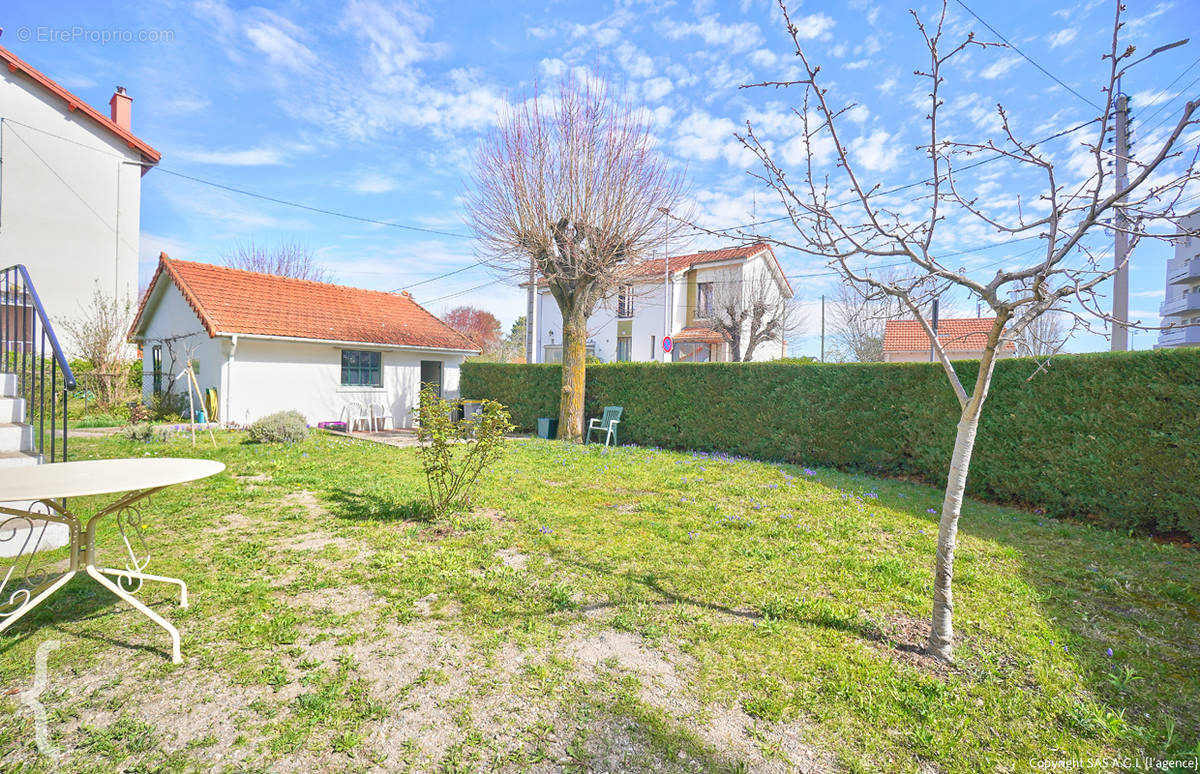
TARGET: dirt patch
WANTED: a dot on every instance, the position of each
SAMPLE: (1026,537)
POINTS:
(257,478)
(623,507)
(304,499)
(904,640)
(348,599)
(313,541)
(511,557)
(663,672)
(234,522)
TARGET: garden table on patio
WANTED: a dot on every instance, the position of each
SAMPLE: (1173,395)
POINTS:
(48,486)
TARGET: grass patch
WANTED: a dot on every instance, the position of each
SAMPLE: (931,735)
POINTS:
(334,624)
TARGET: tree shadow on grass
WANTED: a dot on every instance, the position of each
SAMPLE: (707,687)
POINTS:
(360,506)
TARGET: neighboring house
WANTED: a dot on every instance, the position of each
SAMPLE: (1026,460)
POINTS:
(905,341)
(629,326)
(1182,304)
(70,189)
(268,343)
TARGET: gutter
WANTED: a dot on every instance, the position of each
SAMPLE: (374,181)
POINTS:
(342,343)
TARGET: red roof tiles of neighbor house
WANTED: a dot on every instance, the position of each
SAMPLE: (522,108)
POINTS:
(16,64)
(654,266)
(249,303)
(954,334)
(698,335)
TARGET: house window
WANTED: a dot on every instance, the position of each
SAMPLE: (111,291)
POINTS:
(361,368)
(703,300)
(625,302)
(553,353)
(156,368)
(624,349)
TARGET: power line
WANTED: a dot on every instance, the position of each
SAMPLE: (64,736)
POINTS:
(459,293)
(319,210)
(1027,58)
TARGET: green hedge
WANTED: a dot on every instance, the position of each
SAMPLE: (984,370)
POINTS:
(1111,437)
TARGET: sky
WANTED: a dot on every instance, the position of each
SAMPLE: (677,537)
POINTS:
(374,110)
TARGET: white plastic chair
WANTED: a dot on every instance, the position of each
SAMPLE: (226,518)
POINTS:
(380,414)
(355,414)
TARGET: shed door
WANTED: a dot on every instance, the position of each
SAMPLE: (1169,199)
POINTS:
(431,373)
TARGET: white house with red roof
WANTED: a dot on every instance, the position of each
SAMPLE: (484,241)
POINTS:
(672,296)
(905,341)
(266,343)
(70,192)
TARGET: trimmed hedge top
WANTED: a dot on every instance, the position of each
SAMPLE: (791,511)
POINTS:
(1111,437)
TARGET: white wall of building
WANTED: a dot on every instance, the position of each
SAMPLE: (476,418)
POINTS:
(76,233)
(647,328)
(259,376)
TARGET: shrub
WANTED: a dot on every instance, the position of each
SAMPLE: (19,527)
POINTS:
(143,432)
(1113,438)
(454,452)
(168,406)
(280,427)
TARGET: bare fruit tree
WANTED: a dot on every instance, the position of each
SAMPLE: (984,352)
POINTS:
(873,224)
(570,189)
(286,258)
(749,313)
(97,335)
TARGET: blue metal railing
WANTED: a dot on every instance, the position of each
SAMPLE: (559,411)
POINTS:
(28,349)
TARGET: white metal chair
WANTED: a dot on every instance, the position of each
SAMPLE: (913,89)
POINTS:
(356,414)
(380,414)
(607,424)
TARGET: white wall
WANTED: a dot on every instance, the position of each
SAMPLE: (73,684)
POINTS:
(77,233)
(264,376)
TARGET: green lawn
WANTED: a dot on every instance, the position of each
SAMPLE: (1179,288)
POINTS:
(602,610)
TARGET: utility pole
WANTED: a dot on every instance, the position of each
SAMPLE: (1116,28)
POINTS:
(666,281)
(1120,309)
(530,315)
(822,327)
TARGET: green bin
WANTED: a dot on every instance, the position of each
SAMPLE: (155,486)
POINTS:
(547,427)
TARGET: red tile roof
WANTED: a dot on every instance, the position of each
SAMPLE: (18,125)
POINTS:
(249,303)
(961,334)
(698,335)
(16,64)
(653,268)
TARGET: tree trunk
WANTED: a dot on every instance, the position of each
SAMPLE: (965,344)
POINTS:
(574,364)
(941,632)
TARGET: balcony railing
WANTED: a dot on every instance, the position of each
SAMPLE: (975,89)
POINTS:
(30,350)
(1188,303)
(1185,271)
(1180,337)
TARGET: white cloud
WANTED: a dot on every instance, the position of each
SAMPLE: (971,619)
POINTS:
(741,36)
(814,26)
(251,157)
(552,68)
(635,61)
(706,138)
(657,88)
(876,152)
(374,183)
(764,57)
(999,67)
(279,39)
(858,64)
(1063,37)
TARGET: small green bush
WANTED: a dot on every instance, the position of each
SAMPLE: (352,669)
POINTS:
(143,432)
(454,452)
(280,427)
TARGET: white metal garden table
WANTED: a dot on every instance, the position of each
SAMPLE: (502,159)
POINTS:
(26,583)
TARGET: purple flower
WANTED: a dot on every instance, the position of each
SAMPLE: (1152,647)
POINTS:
(931,510)
(810,472)
(1109,652)
(545,530)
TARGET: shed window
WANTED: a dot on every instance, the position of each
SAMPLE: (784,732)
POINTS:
(361,368)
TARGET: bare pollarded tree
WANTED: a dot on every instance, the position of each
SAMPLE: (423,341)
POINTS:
(570,189)
(1044,336)
(286,258)
(748,313)
(873,224)
(859,317)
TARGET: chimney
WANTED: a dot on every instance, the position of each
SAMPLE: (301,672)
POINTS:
(121,106)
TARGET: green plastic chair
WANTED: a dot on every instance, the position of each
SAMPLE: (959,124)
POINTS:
(606,424)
